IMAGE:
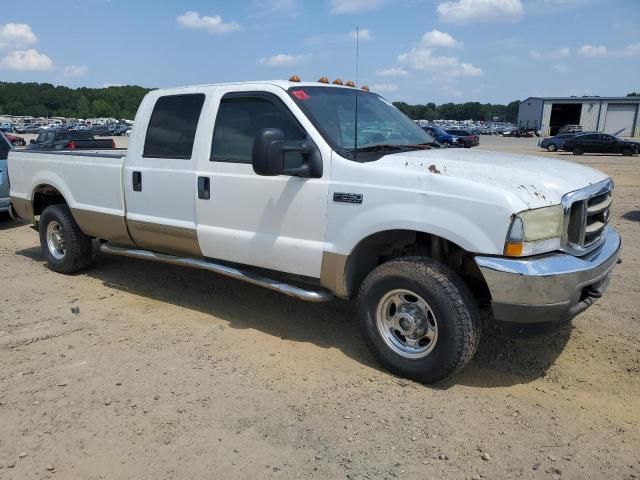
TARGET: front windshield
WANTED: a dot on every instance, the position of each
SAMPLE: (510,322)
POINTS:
(332,111)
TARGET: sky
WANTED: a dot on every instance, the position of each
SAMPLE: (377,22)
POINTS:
(416,51)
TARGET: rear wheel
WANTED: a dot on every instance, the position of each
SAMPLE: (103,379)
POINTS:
(578,150)
(552,147)
(418,318)
(65,247)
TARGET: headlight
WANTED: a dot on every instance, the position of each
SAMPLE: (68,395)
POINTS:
(535,231)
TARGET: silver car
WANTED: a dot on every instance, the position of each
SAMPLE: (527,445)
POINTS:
(5,146)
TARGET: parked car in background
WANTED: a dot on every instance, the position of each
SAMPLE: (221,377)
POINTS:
(5,147)
(443,137)
(555,143)
(15,140)
(119,130)
(60,139)
(6,127)
(600,143)
(570,129)
(32,128)
(101,130)
(468,138)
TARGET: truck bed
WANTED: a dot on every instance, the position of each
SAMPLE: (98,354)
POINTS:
(90,181)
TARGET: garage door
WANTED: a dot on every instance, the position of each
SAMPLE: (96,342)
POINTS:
(619,116)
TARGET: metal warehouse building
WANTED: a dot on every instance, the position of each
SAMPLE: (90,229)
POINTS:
(602,114)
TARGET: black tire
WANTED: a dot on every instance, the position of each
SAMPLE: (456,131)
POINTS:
(578,150)
(627,152)
(552,147)
(77,253)
(454,309)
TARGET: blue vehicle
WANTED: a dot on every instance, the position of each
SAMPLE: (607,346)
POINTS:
(5,147)
(443,137)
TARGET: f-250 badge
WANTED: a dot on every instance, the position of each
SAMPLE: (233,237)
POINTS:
(347,197)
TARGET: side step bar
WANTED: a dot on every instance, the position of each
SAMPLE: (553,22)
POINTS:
(247,276)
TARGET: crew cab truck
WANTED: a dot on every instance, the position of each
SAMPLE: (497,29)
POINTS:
(268,182)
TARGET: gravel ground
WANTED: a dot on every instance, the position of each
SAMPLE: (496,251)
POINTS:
(149,371)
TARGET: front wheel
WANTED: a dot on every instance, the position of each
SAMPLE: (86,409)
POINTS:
(418,318)
(627,152)
(551,147)
(65,247)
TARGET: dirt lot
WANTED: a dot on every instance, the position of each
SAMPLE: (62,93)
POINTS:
(173,373)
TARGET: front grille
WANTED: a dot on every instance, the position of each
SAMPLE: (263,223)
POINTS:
(588,217)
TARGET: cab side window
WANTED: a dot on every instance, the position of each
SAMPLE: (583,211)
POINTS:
(172,126)
(240,119)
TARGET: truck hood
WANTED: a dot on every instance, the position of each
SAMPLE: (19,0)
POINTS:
(536,181)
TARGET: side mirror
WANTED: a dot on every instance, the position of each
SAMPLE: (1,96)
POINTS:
(268,155)
(32,141)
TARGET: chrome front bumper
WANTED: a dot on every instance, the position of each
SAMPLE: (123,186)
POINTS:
(549,288)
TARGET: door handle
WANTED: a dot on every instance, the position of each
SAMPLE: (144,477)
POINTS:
(137,181)
(204,188)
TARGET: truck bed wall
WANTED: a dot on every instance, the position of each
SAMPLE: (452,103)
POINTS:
(91,184)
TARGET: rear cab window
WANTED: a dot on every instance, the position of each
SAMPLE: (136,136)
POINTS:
(172,126)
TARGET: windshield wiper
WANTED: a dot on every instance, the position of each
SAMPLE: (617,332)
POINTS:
(383,147)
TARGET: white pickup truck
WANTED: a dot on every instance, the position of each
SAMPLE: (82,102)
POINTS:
(280,184)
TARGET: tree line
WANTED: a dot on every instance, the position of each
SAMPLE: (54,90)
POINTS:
(461,111)
(46,100)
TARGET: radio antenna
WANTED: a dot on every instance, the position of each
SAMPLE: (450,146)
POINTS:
(355,136)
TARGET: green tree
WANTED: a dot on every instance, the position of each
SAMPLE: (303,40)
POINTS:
(633,94)
(101,108)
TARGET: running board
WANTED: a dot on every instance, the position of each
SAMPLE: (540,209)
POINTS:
(247,276)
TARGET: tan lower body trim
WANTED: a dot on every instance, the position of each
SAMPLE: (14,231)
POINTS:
(104,226)
(165,238)
(332,273)
(23,208)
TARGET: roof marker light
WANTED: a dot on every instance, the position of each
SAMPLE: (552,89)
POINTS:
(337,81)
(323,80)
(350,84)
(365,88)
(294,78)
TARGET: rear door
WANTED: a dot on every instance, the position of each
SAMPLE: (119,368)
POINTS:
(159,175)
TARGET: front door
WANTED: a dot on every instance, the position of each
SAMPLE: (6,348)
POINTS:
(275,222)
(159,178)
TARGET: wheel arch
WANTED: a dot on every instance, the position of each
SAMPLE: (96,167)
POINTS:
(343,274)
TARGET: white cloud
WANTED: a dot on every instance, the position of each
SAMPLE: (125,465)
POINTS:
(384,87)
(26,60)
(339,7)
(436,38)
(423,59)
(282,60)
(393,72)
(593,51)
(16,35)
(364,34)
(561,68)
(632,50)
(213,24)
(553,54)
(468,11)
(75,71)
